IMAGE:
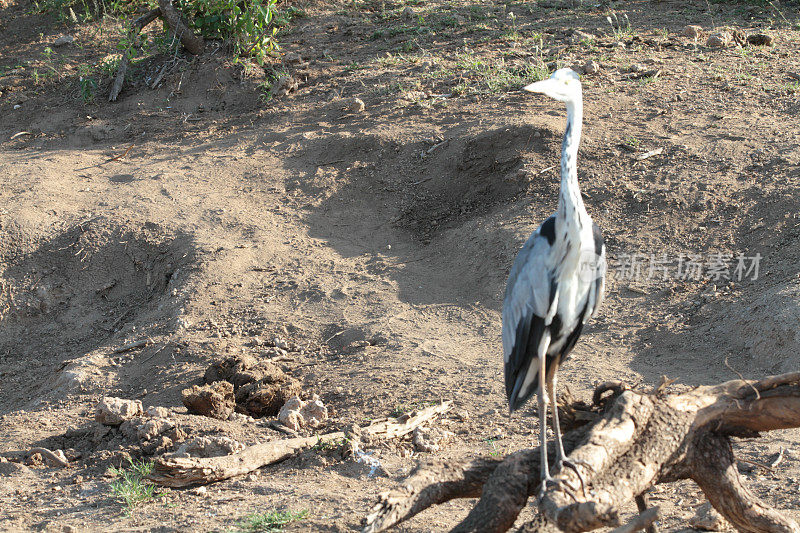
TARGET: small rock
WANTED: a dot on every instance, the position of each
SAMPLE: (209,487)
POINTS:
(114,411)
(708,519)
(408,13)
(693,31)
(285,84)
(64,39)
(579,36)
(239,417)
(215,400)
(591,67)
(200,491)
(157,446)
(153,428)
(719,40)
(314,412)
(280,342)
(157,412)
(292,57)
(291,419)
(760,39)
(296,413)
(354,105)
(430,439)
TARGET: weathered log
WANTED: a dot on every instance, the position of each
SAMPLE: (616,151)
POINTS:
(641,440)
(187,471)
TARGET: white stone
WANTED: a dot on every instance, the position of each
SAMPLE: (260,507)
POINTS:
(114,411)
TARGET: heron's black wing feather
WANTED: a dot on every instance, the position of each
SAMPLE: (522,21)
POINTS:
(598,239)
(526,343)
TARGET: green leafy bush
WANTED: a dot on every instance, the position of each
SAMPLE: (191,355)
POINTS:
(248,26)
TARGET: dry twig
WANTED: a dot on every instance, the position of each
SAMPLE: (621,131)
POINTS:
(187,471)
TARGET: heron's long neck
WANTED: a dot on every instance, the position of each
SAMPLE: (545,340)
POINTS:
(570,203)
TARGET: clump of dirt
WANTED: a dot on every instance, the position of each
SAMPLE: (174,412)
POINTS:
(214,399)
(261,388)
(98,443)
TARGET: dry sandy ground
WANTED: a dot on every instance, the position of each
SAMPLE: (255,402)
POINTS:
(378,242)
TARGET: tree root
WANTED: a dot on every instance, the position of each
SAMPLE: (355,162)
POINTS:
(642,440)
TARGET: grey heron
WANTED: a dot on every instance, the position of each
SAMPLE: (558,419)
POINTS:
(556,283)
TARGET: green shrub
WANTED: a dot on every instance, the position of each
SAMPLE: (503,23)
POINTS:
(248,26)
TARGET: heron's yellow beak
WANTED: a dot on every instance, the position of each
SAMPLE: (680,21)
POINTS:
(544,86)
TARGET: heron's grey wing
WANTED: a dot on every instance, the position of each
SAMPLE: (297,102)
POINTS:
(599,279)
(529,296)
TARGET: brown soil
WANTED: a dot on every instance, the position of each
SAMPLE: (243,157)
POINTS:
(370,249)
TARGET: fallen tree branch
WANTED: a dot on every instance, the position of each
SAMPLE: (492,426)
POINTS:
(189,40)
(640,441)
(193,43)
(136,27)
(187,471)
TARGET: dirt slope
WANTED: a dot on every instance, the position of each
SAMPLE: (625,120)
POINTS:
(378,242)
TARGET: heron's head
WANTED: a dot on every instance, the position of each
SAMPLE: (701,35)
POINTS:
(564,85)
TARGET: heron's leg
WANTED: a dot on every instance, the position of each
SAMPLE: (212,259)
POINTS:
(541,395)
(561,457)
(551,386)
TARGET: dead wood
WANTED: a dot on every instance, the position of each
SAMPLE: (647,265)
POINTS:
(189,40)
(641,440)
(166,11)
(187,471)
(136,27)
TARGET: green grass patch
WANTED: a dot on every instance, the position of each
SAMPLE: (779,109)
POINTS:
(132,488)
(269,521)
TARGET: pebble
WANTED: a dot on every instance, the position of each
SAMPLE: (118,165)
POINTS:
(296,413)
(693,31)
(719,40)
(591,67)
(292,57)
(579,36)
(63,40)
(708,519)
(158,412)
(354,105)
(760,39)
(114,411)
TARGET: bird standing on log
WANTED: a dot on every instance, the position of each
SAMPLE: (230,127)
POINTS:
(556,283)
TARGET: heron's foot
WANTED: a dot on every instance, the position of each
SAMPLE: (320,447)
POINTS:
(572,464)
(549,481)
